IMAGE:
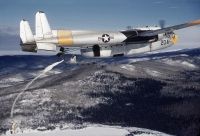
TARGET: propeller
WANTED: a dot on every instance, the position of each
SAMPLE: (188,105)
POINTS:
(162,23)
(129,27)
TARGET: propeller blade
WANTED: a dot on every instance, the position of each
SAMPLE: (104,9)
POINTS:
(162,23)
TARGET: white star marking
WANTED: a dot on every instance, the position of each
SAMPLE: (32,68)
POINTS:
(106,38)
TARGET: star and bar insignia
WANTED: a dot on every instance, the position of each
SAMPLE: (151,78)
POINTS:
(105,38)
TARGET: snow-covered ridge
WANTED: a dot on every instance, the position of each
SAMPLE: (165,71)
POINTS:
(182,63)
(92,130)
(124,91)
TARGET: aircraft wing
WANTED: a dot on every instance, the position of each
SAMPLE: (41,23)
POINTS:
(169,29)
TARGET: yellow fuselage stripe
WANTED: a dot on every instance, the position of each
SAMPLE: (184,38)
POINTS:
(65,37)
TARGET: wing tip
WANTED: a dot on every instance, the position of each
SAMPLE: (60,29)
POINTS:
(195,22)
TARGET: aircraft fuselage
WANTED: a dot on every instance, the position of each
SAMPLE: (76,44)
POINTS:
(98,43)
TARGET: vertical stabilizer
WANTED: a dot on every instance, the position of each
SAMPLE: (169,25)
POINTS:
(42,27)
(26,34)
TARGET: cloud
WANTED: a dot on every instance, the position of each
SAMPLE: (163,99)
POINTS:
(158,2)
(9,38)
(174,7)
(9,30)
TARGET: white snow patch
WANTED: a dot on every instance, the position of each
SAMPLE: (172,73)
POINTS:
(188,64)
(27,101)
(4,85)
(157,58)
(93,130)
(11,79)
(88,131)
(8,81)
(184,55)
(53,72)
(179,63)
(70,83)
(38,97)
(138,60)
(153,72)
(133,60)
(73,60)
(128,67)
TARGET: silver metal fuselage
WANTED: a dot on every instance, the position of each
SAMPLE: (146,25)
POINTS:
(116,44)
(98,43)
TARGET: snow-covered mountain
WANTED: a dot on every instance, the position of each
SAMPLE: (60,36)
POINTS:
(157,91)
(92,130)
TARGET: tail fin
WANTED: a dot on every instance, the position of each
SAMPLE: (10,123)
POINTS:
(42,27)
(26,34)
(43,31)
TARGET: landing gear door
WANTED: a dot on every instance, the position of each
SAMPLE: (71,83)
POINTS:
(117,50)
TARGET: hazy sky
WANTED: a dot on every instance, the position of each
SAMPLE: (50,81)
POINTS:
(95,14)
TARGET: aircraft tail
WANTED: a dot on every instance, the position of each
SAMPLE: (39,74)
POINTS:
(43,33)
(42,27)
(42,40)
(26,34)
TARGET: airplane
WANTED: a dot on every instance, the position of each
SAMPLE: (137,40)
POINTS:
(97,43)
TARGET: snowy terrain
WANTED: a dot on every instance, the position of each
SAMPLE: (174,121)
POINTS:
(159,92)
(94,130)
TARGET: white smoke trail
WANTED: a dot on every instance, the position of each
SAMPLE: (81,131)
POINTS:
(48,68)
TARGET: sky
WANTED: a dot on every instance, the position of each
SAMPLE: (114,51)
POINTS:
(98,15)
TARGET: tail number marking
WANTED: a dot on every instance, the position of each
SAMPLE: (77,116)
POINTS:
(164,42)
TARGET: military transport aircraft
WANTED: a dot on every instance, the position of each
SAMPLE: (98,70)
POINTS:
(97,43)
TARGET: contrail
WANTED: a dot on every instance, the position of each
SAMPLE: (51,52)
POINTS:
(48,68)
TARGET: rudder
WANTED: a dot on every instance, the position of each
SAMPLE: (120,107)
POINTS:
(43,29)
